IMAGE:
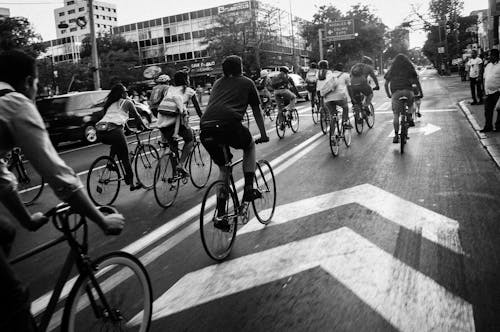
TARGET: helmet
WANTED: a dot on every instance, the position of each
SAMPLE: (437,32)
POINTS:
(163,79)
(323,64)
(264,73)
(367,60)
(284,69)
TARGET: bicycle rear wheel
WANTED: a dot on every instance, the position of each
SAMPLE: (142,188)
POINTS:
(324,120)
(294,120)
(120,286)
(266,185)
(145,164)
(370,118)
(358,119)
(404,133)
(218,236)
(166,185)
(315,113)
(334,137)
(346,135)
(29,182)
(200,166)
(280,125)
(103,181)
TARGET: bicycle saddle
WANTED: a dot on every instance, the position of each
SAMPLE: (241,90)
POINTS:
(403,98)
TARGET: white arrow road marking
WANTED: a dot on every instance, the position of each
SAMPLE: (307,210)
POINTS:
(427,130)
(435,227)
(406,298)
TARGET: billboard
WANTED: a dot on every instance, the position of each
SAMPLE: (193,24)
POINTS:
(234,7)
(340,30)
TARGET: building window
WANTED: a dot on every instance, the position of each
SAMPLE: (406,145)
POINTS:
(96,16)
(63,32)
(207,12)
(172,19)
(176,57)
(102,8)
(197,54)
(109,9)
(194,15)
(148,42)
(72,11)
(69,3)
(167,31)
(174,38)
(165,20)
(110,18)
(61,14)
(81,9)
(73,20)
(72,29)
(98,25)
(187,36)
(141,43)
(189,55)
(114,18)
(178,18)
(160,41)
(170,58)
(167,39)
(158,21)
(183,56)
(185,17)
(96,7)
(114,10)
(180,37)
(133,27)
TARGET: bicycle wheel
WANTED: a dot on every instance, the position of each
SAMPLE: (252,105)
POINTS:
(358,120)
(324,120)
(280,125)
(272,112)
(334,137)
(200,166)
(266,184)
(315,113)
(166,185)
(218,236)
(370,118)
(120,287)
(346,135)
(103,181)
(404,133)
(29,182)
(294,121)
(145,165)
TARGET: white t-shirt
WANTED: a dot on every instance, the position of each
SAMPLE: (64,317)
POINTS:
(473,65)
(492,78)
(173,91)
(321,83)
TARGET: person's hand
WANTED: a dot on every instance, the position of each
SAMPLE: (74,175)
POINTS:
(376,88)
(113,224)
(37,220)
(262,139)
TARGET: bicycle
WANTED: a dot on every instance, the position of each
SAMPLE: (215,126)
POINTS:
(288,118)
(337,132)
(315,110)
(30,184)
(362,113)
(324,117)
(268,108)
(104,177)
(217,229)
(108,291)
(168,179)
(404,124)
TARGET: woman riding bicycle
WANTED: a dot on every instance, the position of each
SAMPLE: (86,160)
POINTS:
(173,116)
(401,76)
(110,129)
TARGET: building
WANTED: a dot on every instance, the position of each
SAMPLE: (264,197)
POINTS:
(481,29)
(178,40)
(4,12)
(66,49)
(105,18)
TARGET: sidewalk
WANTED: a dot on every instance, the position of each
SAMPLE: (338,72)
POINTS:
(475,115)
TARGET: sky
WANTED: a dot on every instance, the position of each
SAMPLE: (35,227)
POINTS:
(392,12)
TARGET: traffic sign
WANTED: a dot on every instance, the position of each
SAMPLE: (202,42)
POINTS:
(340,30)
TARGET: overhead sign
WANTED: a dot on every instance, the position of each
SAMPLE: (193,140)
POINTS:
(234,7)
(340,30)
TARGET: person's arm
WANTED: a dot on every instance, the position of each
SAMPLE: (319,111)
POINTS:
(196,105)
(254,101)
(386,85)
(132,112)
(374,77)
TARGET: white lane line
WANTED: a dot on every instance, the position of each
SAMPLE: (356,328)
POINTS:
(384,106)
(405,297)
(444,110)
(288,158)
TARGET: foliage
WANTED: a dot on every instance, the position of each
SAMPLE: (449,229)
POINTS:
(106,44)
(398,43)
(17,33)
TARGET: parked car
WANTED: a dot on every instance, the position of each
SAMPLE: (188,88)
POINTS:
(299,83)
(72,117)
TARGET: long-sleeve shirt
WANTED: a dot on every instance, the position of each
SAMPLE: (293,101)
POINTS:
(21,125)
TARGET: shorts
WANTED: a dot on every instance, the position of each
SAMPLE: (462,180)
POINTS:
(283,96)
(363,88)
(215,134)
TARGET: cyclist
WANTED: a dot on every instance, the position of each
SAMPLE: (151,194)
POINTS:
(400,77)
(110,129)
(173,117)
(21,125)
(221,125)
(334,92)
(311,82)
(262,85)
(359,80)
(158,92)
(283,86)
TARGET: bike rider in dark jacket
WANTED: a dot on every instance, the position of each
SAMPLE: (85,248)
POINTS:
(283,86)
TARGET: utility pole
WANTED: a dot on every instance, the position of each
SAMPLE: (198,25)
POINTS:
(93,43)
(320,40)
(293,36)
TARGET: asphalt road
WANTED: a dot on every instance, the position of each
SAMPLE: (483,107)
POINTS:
(371,240)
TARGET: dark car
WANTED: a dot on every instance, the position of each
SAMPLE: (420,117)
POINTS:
(72,117)
(299,83)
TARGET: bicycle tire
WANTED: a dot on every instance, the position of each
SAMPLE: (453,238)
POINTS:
(29,183)
(370,119)
(358,120)
(324,120)
(346,135)
(333,136)
(200,166)
(315,113)
(209,233)
(294,121)
(402,137)
(134,281)
(145,164)
(272,112)
(265,182)
(165,187)
(105,192)
(279,121)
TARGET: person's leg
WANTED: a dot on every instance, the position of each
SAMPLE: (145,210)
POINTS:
(479,85)
(489,106)
(473,89)
(120,147)
(496,96)
(396,110)
(187,136)
(345,111)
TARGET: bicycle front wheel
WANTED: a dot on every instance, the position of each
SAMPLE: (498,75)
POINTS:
(117,297)
(370,118)
(266,185)
(324,120)
(145,163)
(103,181)
(280,125)
(404,133)
(218,226)
(294,120)
(334,138)
(358,120)
(346,135)
(166,184)
(29,182)
(200,166)
(315,114)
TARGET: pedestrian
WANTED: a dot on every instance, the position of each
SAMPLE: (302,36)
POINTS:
(492,90)
(475,69)
(21,125)
(199,94)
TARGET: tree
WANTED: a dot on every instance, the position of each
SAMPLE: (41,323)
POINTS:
(17,33)
(398,42)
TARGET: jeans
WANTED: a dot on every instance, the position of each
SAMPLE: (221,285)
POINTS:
(475,84)
(489,108)
(116,138)
(332,108)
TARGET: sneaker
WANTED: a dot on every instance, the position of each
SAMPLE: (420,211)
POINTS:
(251,194)
(486,130)
(222,224)
(347,125)
(474,103)
(395,139)
(135,186)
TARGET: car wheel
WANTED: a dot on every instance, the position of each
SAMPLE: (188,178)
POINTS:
(90,134)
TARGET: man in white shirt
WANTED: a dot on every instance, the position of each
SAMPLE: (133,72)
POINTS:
(474,66)
(492,90)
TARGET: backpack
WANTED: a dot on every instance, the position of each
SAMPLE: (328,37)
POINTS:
(357,70)
(311,77)
(279,81)
(168,106)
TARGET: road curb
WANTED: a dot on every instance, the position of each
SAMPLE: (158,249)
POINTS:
(483,139)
